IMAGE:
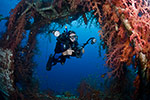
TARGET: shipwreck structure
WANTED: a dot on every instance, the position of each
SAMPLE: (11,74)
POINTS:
(125,32)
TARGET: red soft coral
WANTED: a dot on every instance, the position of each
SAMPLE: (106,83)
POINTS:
(139,43)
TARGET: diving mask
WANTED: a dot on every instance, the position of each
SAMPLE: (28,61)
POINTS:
(73,37)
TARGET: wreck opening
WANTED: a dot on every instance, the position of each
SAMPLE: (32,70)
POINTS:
(67,77)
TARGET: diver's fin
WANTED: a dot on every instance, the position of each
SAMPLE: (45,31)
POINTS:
(49,63)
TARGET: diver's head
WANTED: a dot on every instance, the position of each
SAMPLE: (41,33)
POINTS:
(72,36)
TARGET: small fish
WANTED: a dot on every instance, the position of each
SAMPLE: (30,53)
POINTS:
(136,72)
(101,84)
(1,16)
(103,75)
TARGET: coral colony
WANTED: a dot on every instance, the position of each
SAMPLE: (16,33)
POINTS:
(124,30)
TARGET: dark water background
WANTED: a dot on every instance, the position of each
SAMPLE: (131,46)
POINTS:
(68,76)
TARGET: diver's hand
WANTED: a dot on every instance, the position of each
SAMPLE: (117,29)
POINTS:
(68,52)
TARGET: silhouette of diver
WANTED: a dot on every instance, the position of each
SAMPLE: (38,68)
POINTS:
(66,46)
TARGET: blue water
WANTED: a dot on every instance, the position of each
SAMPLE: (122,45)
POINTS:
(68,76)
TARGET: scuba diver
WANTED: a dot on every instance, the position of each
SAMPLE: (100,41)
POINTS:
(66,47)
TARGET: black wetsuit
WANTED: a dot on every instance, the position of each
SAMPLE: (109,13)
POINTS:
(63,43)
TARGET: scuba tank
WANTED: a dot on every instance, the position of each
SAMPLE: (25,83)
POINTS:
(63,39)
